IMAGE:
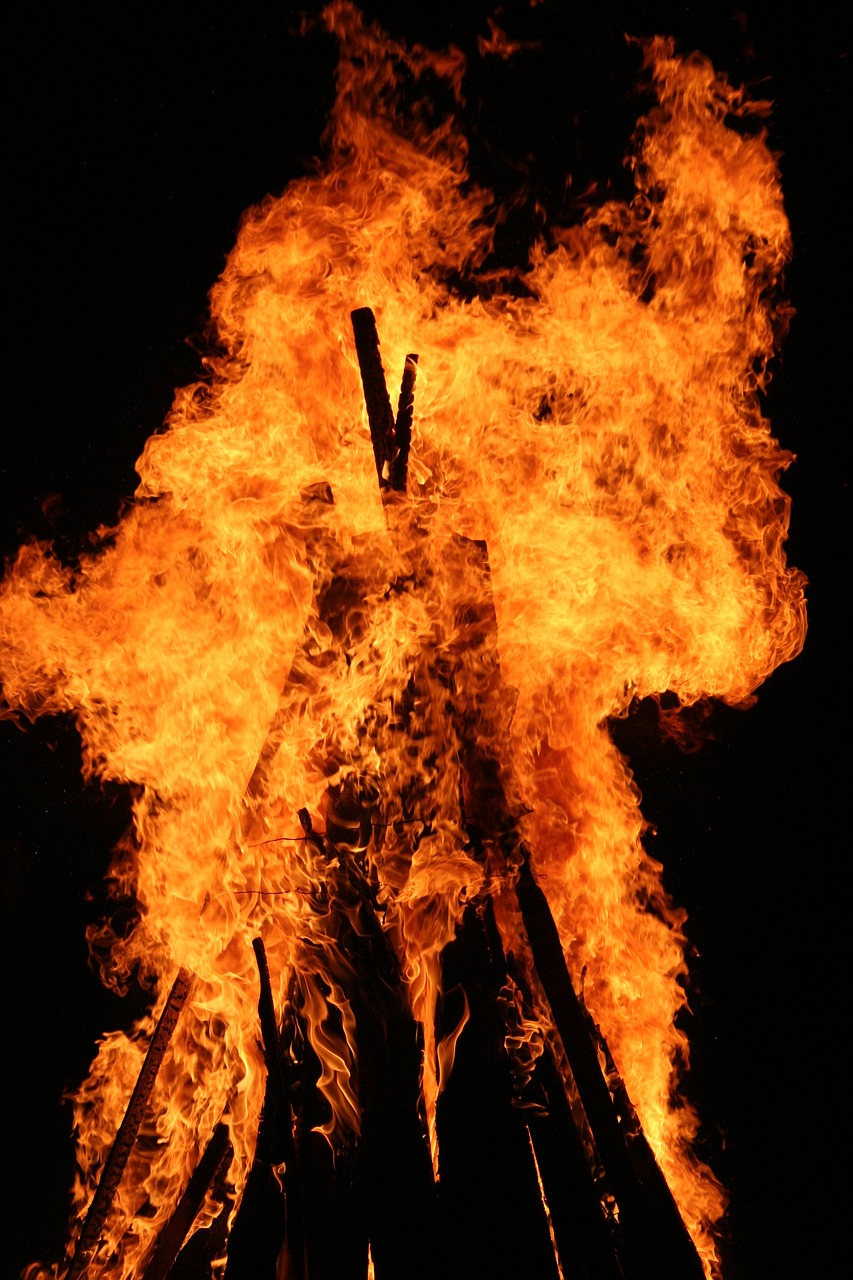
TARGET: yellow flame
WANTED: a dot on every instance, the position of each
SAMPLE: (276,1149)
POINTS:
(602,434)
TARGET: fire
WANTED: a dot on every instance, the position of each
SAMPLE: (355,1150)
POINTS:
(262,635)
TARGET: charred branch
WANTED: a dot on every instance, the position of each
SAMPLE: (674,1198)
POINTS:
(379,414)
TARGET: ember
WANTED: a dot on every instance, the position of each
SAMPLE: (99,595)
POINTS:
(393,896)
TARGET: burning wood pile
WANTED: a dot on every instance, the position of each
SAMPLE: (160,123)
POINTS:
(427,977)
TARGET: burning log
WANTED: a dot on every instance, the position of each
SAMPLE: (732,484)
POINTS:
(216,1154)
(656,1242)
(129,1128)
(393,1177)
(336,1235)
(258,1234)
(397,677)
(275,1140)
(278,1092)
(403,425)
(491,1202)
(390,438)
(588,1246)
(657,1239)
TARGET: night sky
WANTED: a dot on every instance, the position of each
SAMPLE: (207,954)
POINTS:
(132,149)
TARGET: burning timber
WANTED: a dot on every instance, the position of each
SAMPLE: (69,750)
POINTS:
(428,837)
(553,1141)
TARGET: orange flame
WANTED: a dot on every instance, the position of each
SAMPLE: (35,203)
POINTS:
(599,429)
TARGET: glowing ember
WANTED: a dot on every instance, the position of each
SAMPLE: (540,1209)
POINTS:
(599,429)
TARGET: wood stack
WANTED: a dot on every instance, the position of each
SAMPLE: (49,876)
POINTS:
(543,1169)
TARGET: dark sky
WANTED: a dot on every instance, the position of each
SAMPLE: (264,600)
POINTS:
(132,149)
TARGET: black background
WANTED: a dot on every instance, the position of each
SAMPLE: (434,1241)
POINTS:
(134,143)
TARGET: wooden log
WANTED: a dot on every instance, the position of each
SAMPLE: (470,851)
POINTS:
(280,1145)
(403,425)
(379,414)
(587,1246)
(259,1229)
(392,1171)
(492,1216)
(390,437)
(278,1093)
(216,1154)
(336,1243)
(655,1235)
(123,1144)
(643,1158)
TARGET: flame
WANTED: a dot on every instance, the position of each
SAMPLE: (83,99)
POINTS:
(596,422)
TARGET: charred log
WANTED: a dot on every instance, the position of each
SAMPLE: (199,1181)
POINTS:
(587,1242)
(259,1230)
(216,1154)
(493,1220)
(657,1241)
(392,1170)
(129,1127)
(390,438)
(336,1244)
(403,425)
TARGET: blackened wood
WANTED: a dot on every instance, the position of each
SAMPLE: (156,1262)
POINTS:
(653,1230)
(587,1245)
(336,1243)
(379,414)
(277,1088)
(204,1246)
(659,1243)
(277,1132)
(172,1237)
(336,1231)
(493,1218)
(129,1127)
(643,1158)
(392,1172)
(403,425)
(258,1232)
(391,438)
